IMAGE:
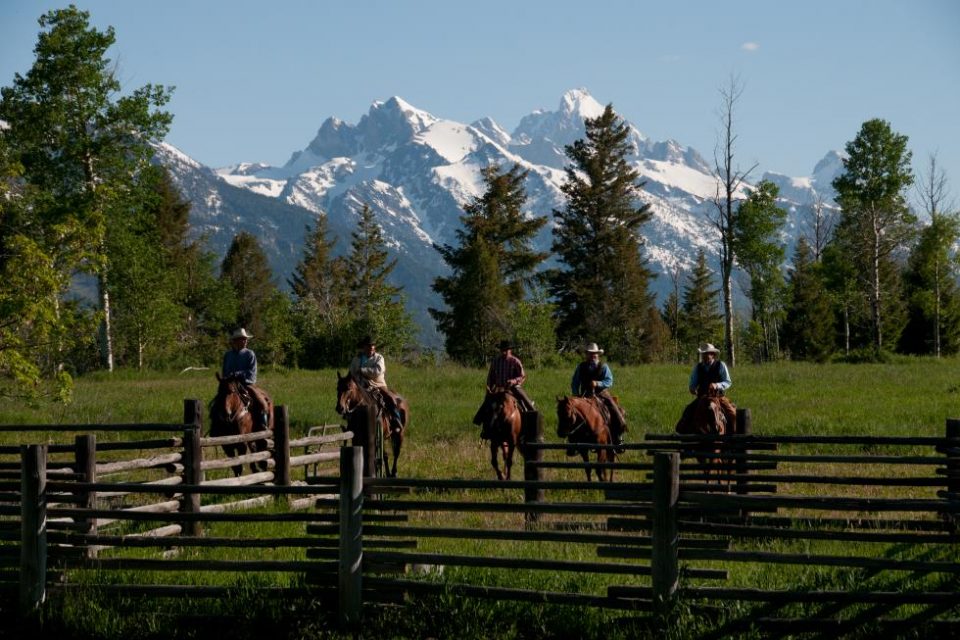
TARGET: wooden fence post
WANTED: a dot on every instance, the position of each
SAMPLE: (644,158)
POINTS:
(192,459)
(664,560)
(952,466)
(281,448)
(363,423)
(744,427)
(350,572)
(85,451)
(33,527)
(532,433)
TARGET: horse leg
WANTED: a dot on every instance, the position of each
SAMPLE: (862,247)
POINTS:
(396,442)
(585,454)
(494,461)
(232,451)
(507,456)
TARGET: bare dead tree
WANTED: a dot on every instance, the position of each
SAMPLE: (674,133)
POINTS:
(729,179)
(934,195)
(824,221)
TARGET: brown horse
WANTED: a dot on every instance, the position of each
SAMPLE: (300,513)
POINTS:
(230,416)
(350,395)
(580,421)
(503,425)
(707,415)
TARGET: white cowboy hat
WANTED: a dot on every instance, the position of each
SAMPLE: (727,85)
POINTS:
(706,347)
(241,333)
(592,348)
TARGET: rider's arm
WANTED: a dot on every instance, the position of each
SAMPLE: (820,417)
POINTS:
(575,383)
(725,380)
(607,380)
(694,380)
(520,375)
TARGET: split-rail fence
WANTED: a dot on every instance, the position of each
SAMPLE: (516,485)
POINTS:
(865,527)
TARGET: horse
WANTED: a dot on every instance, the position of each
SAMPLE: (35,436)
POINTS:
(581,421)
(230,416)
(503,421)
(707,416)
(350,395)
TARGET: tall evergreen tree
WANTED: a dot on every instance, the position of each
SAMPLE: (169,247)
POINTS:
(700,317)
(492,268)
(320,307)
(808,331)
(875,221)
(247,273)
(602,291)
(756,232)
(79,142)
(376,306)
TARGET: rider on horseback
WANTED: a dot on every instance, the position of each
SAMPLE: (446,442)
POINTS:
(592,378)
(368,369)
(240,363)
(711,378)
(506,372)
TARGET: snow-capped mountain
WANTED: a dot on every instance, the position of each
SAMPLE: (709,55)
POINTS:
(417,170)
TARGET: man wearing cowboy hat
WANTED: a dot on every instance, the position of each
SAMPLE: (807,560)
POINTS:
(506,372)
(709,378)
(710,375)
(592,378)
(241,363)
(369,370)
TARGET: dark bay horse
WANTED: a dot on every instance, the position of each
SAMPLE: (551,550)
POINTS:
(709,414)
(580,421)
(350,395)
(230,416)
(503,425)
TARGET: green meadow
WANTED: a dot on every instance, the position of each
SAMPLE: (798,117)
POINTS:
(908,397)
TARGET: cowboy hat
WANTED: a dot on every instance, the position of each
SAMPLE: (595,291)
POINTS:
(241,333)
(366,341)
(706,347)
(592,348)
(505,344)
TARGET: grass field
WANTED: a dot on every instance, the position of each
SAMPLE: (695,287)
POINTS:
(909,397)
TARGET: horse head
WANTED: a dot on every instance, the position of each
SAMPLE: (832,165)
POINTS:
(568,418)
(228,407)
(348,394)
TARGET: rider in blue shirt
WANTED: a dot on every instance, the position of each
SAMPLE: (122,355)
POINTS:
(593,378)
(241,363)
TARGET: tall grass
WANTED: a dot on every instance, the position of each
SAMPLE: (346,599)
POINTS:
(907,397)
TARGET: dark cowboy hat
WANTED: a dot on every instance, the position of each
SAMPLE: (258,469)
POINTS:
(366,341)
(505,344)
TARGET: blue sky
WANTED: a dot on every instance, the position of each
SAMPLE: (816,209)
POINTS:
(254,80)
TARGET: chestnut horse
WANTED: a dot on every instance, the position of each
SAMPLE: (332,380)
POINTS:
(350,395)
(503,425)
(230,416)
(707,415)
(580,421)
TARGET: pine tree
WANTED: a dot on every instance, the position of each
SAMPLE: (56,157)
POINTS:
(602,292)
(875,221)
(376,305)
(78,143)
(700,317)
(808,331)
(493,271)
(246,272)
(320,306)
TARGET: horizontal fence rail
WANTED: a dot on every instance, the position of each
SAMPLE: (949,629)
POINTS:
(691,518)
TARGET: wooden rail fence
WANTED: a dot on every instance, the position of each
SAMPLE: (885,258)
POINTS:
(849,532)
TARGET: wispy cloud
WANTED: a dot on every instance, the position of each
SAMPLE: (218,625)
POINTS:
(750,47)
